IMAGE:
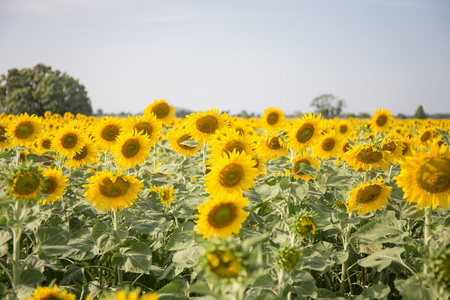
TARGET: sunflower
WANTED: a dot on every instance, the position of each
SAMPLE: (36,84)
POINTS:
(425,178)
(305,131)
(165,194)
(106,131)
(162,110)
(288,257)
(179,139)
(54,185)
(228,139)
(381,120)
(343,128)
(259,165)
(45,293)
(271,146)
(203,125)
(224,263)
(131,149)
(303,158)
(44,143)
(369,196)
(272,118)
(394,146)
(304,223)
(107,191)
(128,295)
(221,217)
(24,129)
(365,156)
(68,141)
(230,175)
(408,146)
(147,125)
(85,157)
(25,182)
(328,145)
(4,141)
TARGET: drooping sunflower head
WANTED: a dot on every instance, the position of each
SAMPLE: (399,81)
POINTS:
(203,125)
(305,131)
(304,223)
(303,158)
(46,293)
(271,146)
(131,149)
(381,120)
(25,182)
(272,118)
(366,156)
(24,129)
(53,185)
(369,197)
(162,111)
(224,263)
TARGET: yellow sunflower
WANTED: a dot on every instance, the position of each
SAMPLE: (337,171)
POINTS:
(425,178)
(343,128)
(4,141)
(24,129)
(224,263)
(25,182)
(54,185)
(394,146)
(107,191)
(381,120)
(227,140)
(221,217)
(45,293)
(328,145)
(147,124)
(230,175)
(69,141)
(305,131)
(303,158)
(178,137)
(131,149)
(369,196)
(202,125)
(106,131)
(162,110)
(271,146)
(304,223)
(367,156)
(44,143)
(165,194)
(127,295)
(85,157)
(272,118)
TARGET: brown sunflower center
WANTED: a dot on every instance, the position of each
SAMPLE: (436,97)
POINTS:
(306,225)
(130,148)
(109,132)
(368,193)
(24,130)
(207,124)
(390,146)
(369,156)
(296,167)
(273,143)
(425,136)
(69,140)
(144,126)
(406,148)
(27,183)
(305,133)
(49,186)
(46,144)
(82,154)
(161,110)
(434,175)
(51,296)
(2,133)
(233,145)
(327,144)
(115,189)
(231,175)
(182,139)
(164,194)
(222,215)
(381,120)
(345,147)
(343,129)
(272,118)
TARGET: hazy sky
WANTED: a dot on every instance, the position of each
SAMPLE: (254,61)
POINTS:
(238,55)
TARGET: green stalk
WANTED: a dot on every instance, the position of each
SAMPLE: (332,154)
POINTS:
(427,235)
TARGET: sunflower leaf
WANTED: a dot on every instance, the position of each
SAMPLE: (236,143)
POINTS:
(383,259)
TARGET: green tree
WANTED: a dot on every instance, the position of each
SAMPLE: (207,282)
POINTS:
(41,89)
(420,113)
(328,105)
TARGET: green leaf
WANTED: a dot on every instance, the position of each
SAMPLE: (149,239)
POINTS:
(5,236)
(174,288)
(202,288)
(82,241)
(412,289)
(284,183)
(36,158)
(53,241)
(5,155)
(383,259)
(382,233)
(412,211)
(31,277)
(264,280)
(137,260)
(179,241)
(377,291)
(305,288)
(187,258)
(107,239)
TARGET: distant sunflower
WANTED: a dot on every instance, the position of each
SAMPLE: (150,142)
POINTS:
(230,175)
(259,164)
(85,157)
(426,135)
(165,194)
(107,191)
(305,131)
(425,178)
(221,217)
(272,118)
(45,293)
(369,196)
(408,148)
(328,145)
(202,125)
(25,182)
(54,185)
(106,131)
(44,143)
(304,223)
(24,129)
(178,139)
(271,146)
(147,125)
(343,128)
(394,146)
(227,140)
(68,141)
(303,158)
(381,120)
(127,295)
(131,149)
(224,263)
(162,110)
(4,141)
(367,156)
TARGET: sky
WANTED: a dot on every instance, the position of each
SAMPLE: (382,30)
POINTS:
(238,55)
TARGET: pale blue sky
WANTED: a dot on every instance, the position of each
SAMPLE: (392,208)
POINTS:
(238,55)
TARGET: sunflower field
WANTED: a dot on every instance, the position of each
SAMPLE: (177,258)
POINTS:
(218,207)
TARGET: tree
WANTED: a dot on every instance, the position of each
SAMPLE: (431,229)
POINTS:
(420,113)
(328,105)
(41,89)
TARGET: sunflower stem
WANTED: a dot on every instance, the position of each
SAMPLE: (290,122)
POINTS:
(280,282)
(427,234)
(204,157)
(17,234)
(345,237)
(115,219)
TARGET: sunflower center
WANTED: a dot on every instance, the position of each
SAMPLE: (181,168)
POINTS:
(49,186)
(406,148)
(144,126)
(2,133)
(161,110)
(69,140)
(368,193)
(50,297)
(207,124)
(345,147)
(46,144)
(305,133)
(369,156)
(434,176)
(296,167)
(231,175)
(272,118)
(391,146)
(24,130)
(425,136)
(115,189)
(232,145)
(273,143)
(27,183)
(182,139)
(381,121)
(110,132)
(164,195)
(327,144)
(82,154)
(222,215)
(343,129)
(130,148)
